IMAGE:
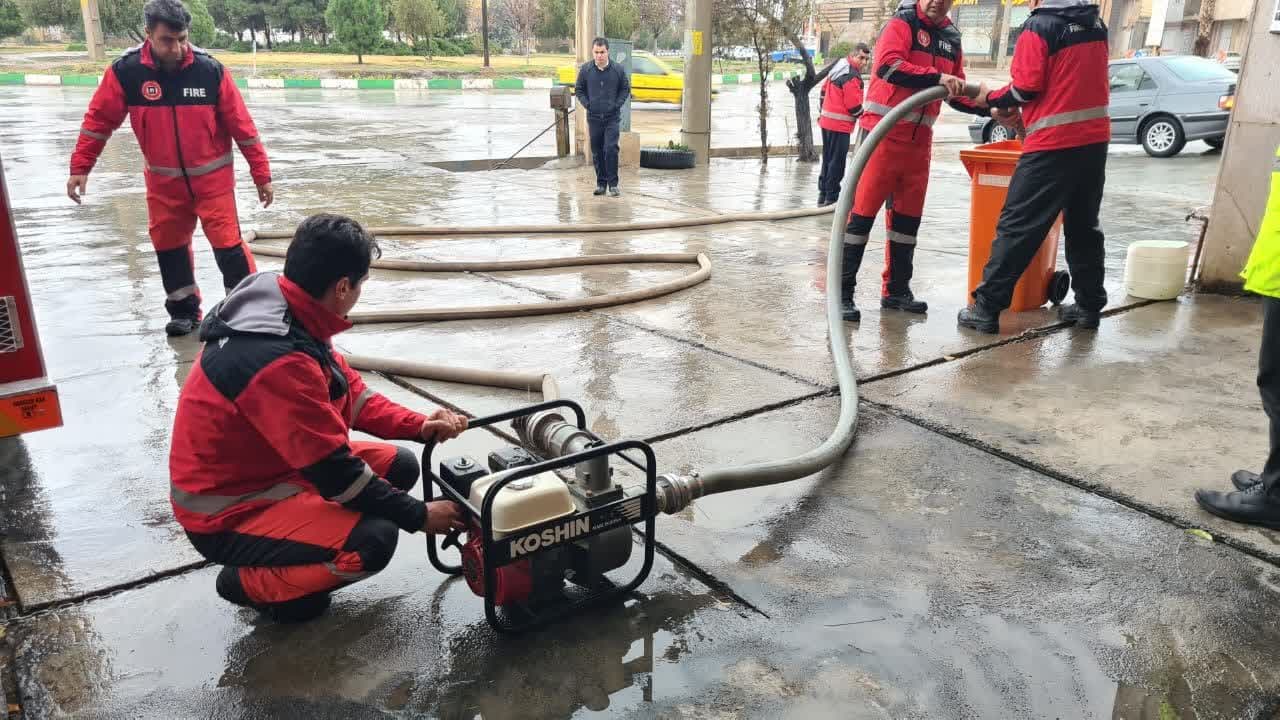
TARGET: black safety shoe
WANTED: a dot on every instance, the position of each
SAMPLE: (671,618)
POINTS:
(599,190)
(614,192)
(1252,506)
(849,309)
(825,200)
(304,609)
(1245,479)
(979,319)
(1086,319)
(906,302)
(178,327)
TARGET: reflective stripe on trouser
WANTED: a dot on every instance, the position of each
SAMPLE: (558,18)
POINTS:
(897,174)
(1067,118)
(172,222)
(305,544)
(835,116)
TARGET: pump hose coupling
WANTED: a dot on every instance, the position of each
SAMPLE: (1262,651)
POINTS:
(676,492)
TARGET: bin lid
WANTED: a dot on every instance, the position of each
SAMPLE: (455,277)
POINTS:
(997,157)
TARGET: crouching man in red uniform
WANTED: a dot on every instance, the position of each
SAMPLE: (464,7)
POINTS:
(918,49)
(185,111)
(263,475)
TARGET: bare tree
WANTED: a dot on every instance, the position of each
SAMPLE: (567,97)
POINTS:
(656,16)
(756,24)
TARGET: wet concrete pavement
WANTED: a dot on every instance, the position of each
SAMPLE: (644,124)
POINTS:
(949,567)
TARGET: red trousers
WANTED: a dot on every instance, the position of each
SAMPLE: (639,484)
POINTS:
(305,544)
(172,222)
(897,175)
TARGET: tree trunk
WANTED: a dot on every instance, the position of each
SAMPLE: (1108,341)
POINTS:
(764,105)
(800,88)
(268,36)
(1201,47)
(359,58)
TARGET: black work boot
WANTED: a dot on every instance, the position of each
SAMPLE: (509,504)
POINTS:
(180,326)
(1086,319)
(825,200)
(906,302)
(899,296)
(599,190)
(980,319)
(1244,479)
(1253,506)
(849,280)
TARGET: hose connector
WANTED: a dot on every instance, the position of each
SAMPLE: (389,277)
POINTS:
(676,492)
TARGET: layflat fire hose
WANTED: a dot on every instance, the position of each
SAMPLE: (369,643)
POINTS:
(675,492)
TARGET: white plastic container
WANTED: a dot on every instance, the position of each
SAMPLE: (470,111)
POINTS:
(524,502)
(1156,269)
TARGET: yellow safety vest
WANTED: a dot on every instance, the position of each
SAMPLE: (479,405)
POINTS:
(1262,272)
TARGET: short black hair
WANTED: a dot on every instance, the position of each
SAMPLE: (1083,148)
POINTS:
(327,248)
(170,12)
(862,48)
(600,42)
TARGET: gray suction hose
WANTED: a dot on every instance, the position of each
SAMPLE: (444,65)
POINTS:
(675,492)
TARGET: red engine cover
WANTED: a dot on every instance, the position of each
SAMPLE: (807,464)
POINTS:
(512,583)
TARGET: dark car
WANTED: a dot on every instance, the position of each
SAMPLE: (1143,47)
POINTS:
(1160,103)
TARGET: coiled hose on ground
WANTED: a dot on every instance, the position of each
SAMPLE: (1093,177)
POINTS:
(675,491)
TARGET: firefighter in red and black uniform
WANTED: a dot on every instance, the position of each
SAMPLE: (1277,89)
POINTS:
(263,475)
(185,111)
(1059,79)
(918,49)
(841,106)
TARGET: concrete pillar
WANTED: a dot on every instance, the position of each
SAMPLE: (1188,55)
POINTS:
(93,39)
(1245,173)
(584,31)
(695,107)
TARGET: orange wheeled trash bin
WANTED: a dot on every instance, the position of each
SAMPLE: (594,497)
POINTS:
(990,168)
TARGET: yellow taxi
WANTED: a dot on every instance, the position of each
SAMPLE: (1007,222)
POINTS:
(651,79)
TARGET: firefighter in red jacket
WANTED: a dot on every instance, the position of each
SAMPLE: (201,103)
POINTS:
(841,105)
(918,49)
(185,111)
(263,476)
(1059,80)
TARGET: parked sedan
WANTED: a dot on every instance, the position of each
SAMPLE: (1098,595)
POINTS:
(1160,103)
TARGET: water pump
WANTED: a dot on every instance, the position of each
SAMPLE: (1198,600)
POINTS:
(546,523)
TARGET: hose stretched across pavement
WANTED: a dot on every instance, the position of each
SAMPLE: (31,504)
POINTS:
(678,491)
(675,491)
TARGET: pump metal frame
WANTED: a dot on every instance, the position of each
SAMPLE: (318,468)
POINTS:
(609,516)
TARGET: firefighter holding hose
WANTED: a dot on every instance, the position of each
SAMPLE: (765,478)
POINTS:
(185,111)
(919,48)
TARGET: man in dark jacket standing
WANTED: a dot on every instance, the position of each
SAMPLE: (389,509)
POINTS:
(602,89)
(1060,83)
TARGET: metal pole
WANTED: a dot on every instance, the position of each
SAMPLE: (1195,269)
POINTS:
(484,29)
(695,108)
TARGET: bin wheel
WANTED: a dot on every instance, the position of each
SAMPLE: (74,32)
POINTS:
(1058,287)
